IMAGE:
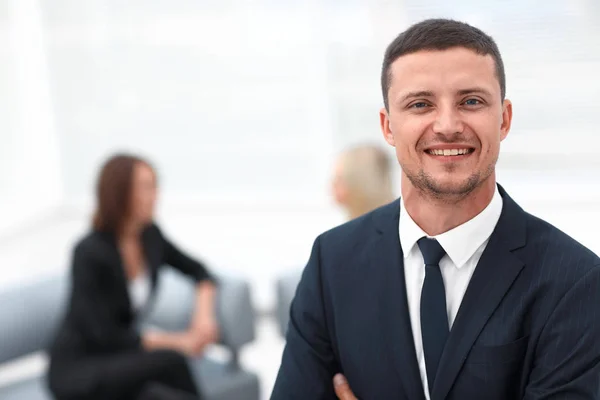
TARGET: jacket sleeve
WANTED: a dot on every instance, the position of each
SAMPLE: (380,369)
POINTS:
(179,260)
(567,358)
(92,306)
(308,364)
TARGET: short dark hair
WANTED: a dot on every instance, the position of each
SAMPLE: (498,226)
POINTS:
(113,192)
(440,34)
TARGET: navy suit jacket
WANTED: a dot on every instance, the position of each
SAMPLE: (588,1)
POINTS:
(528,326)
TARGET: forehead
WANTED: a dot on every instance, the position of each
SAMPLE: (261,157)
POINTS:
(438,70)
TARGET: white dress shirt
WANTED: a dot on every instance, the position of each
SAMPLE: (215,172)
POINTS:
(463,245)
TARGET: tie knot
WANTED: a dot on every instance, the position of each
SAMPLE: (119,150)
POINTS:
(432,251)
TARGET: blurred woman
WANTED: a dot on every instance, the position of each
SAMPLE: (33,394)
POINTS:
(362,180)
(98,352)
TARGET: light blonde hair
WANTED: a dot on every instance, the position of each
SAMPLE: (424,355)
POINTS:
(366,173)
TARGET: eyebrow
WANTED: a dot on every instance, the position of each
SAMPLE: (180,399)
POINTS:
(412,95)
(473,90)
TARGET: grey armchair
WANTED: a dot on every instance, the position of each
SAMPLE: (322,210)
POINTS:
(285,289)
(30,315)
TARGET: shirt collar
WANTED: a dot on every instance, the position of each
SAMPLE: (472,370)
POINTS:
(460,243)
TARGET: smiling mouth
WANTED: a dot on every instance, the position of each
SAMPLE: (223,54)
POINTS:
(450,152)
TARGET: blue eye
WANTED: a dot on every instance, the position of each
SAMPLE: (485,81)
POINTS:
(472,102)
(419,105)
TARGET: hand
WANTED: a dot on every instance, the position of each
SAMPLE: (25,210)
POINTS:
(182,342)
(152,340)
(189,345)
(204,332)
(342,389)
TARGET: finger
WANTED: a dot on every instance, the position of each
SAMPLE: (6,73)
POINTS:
(342,388)
(197,346)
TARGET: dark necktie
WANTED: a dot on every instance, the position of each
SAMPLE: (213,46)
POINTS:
(434,318)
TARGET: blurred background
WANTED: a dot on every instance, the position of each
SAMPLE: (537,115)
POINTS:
(242,106)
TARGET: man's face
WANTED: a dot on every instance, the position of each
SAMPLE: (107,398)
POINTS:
(446,119)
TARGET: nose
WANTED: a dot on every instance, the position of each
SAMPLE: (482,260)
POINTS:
(448,121)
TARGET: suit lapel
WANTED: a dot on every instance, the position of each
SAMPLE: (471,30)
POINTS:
(496,271)
(118,269)
(151,257)
(388,258)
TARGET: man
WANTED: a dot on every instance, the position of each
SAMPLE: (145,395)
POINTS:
(453,292)
(362,180)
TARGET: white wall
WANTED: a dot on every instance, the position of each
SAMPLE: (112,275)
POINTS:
(30,177)
(234,99)
(226,102)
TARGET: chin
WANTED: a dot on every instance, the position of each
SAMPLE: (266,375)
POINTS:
(455,187)
(449,184)
(452,190)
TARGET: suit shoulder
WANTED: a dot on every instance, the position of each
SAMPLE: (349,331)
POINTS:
(153,235)
(91,242)
(358,230)
(91,251)
(96,247)
(550,243)
(153,228)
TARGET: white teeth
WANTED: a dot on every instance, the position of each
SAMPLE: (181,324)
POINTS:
(448,152)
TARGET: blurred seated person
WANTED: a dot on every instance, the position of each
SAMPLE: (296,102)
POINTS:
(362,180)
(99,352)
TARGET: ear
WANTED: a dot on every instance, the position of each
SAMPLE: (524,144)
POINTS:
(506,119)
(386,127)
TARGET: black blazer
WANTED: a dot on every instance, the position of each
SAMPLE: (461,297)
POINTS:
(528,326)
(99,318)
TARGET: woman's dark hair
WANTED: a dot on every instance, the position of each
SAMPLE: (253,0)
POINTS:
(113,192)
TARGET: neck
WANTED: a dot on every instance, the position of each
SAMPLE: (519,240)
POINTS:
(436,216)
(130,230)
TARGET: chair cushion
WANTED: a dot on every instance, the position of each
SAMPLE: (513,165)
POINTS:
(30,315)
(30,389)
(173,306)
(219,381)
